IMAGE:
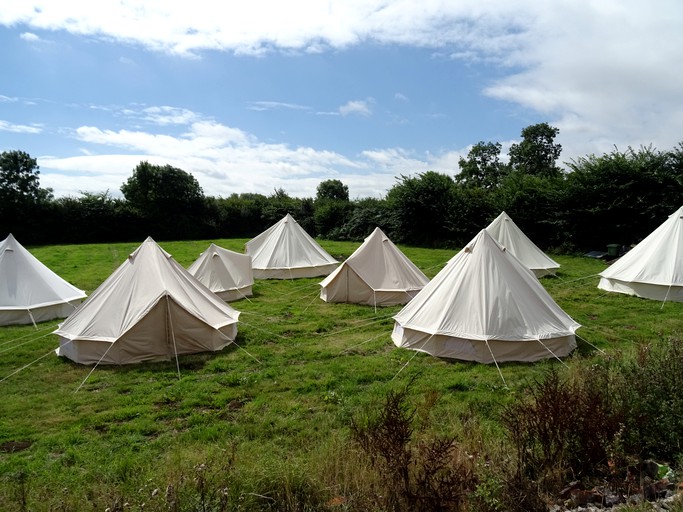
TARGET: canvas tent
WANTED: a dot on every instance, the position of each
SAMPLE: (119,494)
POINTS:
(485,306)
(149,309)
(29,291)
(286,251)
(653,269)
(506,232)
(226,273)
(377,274)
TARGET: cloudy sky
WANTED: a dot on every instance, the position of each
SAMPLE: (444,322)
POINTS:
(262,94)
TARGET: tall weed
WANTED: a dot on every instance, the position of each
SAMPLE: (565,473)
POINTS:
(414,472)
(650,390)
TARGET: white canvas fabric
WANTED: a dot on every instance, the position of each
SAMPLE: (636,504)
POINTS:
(377,274)
(286,251)
(508,234)
(226,273)
(29,291)
(485,306)
(148,309)
(653,269)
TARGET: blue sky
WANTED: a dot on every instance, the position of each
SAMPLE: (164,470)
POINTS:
(271,94)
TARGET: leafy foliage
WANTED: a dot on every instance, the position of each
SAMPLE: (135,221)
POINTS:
(421,208)
(332,189)
(650,390)
(614,198)
(19,180)
(428,474)
(538,152)
(622,196)
(482,168)
(156,189)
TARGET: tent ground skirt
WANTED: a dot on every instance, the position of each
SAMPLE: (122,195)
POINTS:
(644,290)
(479,350)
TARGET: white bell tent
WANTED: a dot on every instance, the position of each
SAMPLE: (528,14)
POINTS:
(149,309)
(485,306)
(377,274)
(29,291)
(508,234)
(653,269)
(286,251)
(226,273)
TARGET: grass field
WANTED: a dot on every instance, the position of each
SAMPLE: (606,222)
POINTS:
(263,424)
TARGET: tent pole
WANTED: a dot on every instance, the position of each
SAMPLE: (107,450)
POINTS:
(31,317)
(170,324)
(496,363)
(666,296)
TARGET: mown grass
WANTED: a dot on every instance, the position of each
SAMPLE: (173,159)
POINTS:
(263,424)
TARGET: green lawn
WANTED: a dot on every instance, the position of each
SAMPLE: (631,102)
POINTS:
(268,417)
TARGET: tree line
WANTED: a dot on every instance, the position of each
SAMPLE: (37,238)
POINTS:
(618,197)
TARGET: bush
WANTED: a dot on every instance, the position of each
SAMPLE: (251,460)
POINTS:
(650,390)
(424,474)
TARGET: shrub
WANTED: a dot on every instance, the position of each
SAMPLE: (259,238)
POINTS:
(423,474)
(563,429)
(650,390)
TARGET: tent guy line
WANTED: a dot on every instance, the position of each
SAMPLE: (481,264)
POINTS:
(264,330)
(496,363)
(24,343)
(95,366)
(26,366)
(417,351)
(589,343)
(363,343)
(373,321)
(52,326)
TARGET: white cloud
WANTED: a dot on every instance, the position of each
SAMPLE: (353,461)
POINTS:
(6,126)
(168,115)
(605,77)
(226,160)
(356,107)
(29,36)
(275,105)
(603,71)
(262,25)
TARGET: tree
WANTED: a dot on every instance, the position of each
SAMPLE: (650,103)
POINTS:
(622,196)
(19,180)
(535,204)
(332,208)
(367,214)
(421,207)
(482,167)
(332,189)
(24,205)
(169,200)
(159,190)
(537,153)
